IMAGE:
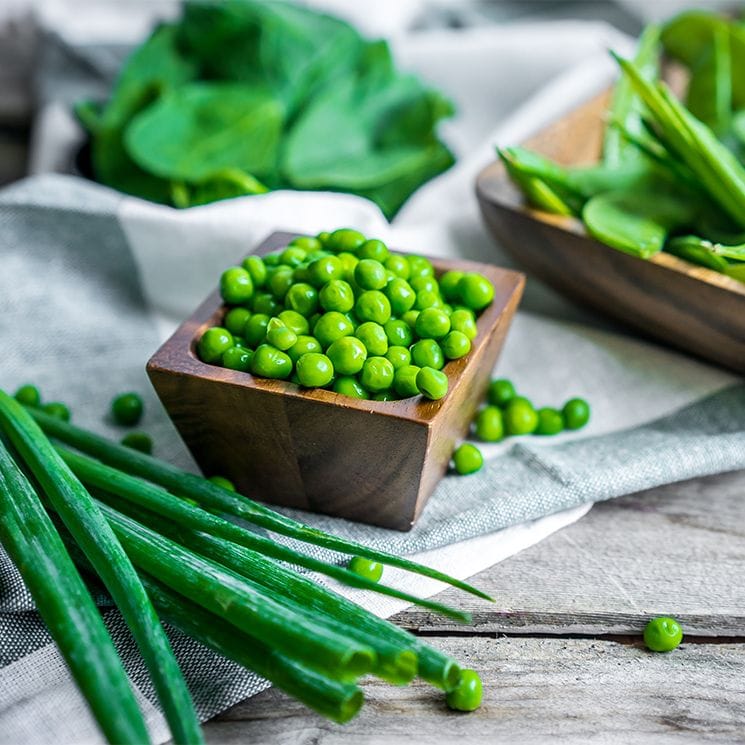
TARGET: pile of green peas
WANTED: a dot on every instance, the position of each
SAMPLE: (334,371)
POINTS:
(341,311)
(508,414)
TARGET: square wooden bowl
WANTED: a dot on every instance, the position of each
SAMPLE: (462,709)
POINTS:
(375,462)
(684,305)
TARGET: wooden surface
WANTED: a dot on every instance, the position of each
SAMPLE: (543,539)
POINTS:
(300,447)
(560,652)
(685,305)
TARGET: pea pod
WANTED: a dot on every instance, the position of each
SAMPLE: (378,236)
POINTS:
(697,251)
(536,190)
(636,222)
(626,106)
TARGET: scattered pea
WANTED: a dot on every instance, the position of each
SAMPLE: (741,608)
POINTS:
(126,409)
(662,634)
(28,395)
(550,421)
(138,441)
(501,392)
(467,695)
(57,410)
(520,418)
(489,424)
(576,413)
(366,568)
(467,459)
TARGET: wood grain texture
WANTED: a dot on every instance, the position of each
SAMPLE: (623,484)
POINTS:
(536,691)
(369,461)
(677,549)
(688,306)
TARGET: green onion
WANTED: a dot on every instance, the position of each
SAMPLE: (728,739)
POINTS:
(158,500)
(245,606)
(65,605)
(218,499)
(92,533)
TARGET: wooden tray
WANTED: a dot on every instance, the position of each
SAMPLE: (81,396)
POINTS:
(688,306)
(371,461)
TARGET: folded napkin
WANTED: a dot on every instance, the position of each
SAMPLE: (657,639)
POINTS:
(92,281)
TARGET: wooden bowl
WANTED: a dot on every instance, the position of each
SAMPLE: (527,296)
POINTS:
(685,305)
(375,462)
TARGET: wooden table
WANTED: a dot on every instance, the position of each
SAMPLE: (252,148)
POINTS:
(560,652)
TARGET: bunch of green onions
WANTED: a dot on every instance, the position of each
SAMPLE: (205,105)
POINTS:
(158,539)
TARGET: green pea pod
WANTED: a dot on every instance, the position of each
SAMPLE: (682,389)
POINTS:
(535,190)
(736,271)
(636,222)
(697,251)
(626,106)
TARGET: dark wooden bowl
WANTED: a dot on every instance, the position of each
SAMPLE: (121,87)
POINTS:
(375,462)
(685,305)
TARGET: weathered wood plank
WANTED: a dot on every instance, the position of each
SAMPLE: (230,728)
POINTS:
(678,549)
(536,691)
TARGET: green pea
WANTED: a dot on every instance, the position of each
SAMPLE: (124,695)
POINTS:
(266,304)
(432,323)
(576,413)
(489,424)
(270,362)
(373,305)
(271,260)
(303,345)
(349,386)
(255,330)
(300,274)
(399,333)
(449,285)
(467,459)
(28,395)
(464,321)
(237,358)
(501,392)
(475,290)
(279,335)
(222,482)
(425,283)
(373,336)
(235,320)
(236,286)
(325,270)
(295,321)
(140,441)
(127,408)
(373,249)
(213,343)
(366,568)
(398,265)
(337,295)
(293,256)
(467,695)
(323,237)
(280,281)
(427,299)
(398,356)
(409,318)
(520,418)
(370,275)
(377,374)
(349,262)
(239,341)
(57,410)
(347,355)
(404,381)
(307,242)
(332,326)
(420,267)
(256,267)
(401,296)
(432,383)
(387,395)
(303,298)
(663,634)
(455,345)
(550,421)
(314,370)
(428,353)
(344,239)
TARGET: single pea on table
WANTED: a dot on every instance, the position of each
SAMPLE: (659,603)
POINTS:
(343,312)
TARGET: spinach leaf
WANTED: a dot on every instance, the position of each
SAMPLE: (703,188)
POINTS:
(203,128)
